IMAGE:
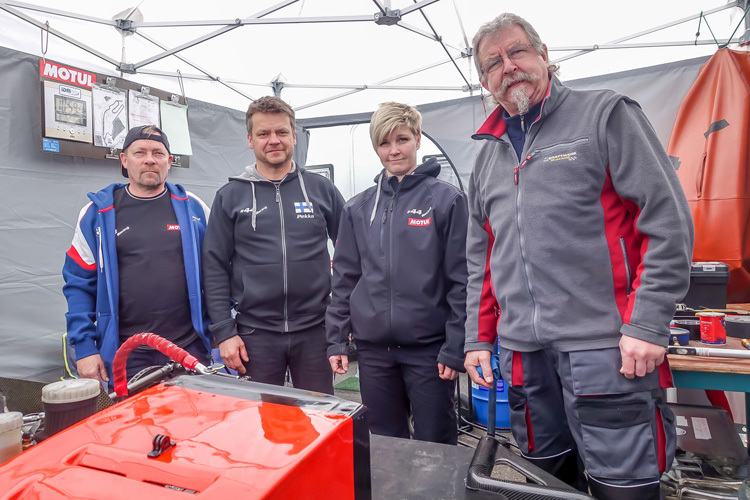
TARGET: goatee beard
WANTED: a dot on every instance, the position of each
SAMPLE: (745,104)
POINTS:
(517,95)
(520,99)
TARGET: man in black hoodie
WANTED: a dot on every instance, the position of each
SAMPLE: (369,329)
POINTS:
(266,256)
(399,285)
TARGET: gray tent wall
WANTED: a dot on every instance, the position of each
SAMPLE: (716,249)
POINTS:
(658,89)
(42,194)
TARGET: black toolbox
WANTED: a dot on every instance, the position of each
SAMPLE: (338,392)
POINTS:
(708,286)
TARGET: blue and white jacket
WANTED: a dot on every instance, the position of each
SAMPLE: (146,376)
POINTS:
(91,276)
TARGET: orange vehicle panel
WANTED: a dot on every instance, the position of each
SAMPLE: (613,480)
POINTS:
(224,445)
(709,146)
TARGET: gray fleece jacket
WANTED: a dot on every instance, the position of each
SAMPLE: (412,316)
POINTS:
(587,238)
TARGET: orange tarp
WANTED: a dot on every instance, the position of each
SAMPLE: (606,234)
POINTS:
(709,146)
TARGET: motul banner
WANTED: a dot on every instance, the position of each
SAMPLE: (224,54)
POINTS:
(73,76)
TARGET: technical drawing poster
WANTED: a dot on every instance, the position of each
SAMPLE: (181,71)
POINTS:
(67,112)
(143,109)
(110,116)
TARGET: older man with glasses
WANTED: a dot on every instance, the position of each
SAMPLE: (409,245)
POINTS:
(579,246)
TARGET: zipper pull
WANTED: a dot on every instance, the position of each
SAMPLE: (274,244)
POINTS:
(519,167)
(99,245)
(388,207)
(523,124)
(278,194)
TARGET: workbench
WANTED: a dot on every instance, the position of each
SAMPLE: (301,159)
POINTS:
(723,374)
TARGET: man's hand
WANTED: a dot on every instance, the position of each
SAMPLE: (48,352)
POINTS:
(479,358)
(339,363)
(92,367)
(639,357)
(233,352)
(446,372)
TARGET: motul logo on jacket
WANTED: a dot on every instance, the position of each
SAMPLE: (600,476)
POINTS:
(173,227)
(65,74)
(420,222)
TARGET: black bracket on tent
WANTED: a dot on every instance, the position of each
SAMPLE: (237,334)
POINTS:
(390,17)
(277,86)
(124,25)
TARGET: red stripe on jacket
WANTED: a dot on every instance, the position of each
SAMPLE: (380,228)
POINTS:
(489,312)
(620,218)
(73,254)
(639,271)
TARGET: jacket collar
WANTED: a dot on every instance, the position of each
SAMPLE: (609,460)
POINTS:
(494,126)
(105,198)
(251,174)
(389,185)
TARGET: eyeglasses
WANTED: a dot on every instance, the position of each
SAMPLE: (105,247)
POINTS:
(515,53)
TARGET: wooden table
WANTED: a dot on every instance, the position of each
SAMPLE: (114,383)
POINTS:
(723,374)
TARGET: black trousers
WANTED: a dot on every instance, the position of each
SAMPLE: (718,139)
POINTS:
(303,352)
(397,381)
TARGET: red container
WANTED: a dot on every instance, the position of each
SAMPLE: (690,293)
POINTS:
(712,328)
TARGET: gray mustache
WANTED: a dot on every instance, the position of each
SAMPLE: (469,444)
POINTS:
(519,77)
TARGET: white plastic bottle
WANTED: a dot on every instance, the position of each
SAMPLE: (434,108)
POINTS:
(10,435)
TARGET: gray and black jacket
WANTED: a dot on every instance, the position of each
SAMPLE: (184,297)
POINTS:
(265,252)
(399,270)
(587,238)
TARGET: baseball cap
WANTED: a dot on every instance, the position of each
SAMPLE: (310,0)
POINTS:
(137,133)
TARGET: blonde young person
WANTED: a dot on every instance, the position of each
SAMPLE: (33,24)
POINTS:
(399,286)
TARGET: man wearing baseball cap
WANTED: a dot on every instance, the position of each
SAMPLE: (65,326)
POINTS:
(134,264)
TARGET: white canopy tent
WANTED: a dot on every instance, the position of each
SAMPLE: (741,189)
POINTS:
(329,57)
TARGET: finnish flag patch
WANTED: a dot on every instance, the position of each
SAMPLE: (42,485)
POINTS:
(303,207)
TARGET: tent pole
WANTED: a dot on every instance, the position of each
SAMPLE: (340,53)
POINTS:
(646,32)
(63,36)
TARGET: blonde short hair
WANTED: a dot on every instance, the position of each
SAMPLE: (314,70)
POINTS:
(390,115)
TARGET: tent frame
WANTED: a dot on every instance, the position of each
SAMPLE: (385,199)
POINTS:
(384,16)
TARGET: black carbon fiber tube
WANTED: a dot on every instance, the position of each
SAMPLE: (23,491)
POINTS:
(547,487)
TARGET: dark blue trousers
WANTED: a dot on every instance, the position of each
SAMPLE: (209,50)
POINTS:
(397,381)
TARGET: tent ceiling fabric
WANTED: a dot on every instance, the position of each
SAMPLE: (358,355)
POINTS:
(318,49)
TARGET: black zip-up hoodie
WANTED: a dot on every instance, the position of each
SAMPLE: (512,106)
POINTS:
(399,269)
(265,252)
